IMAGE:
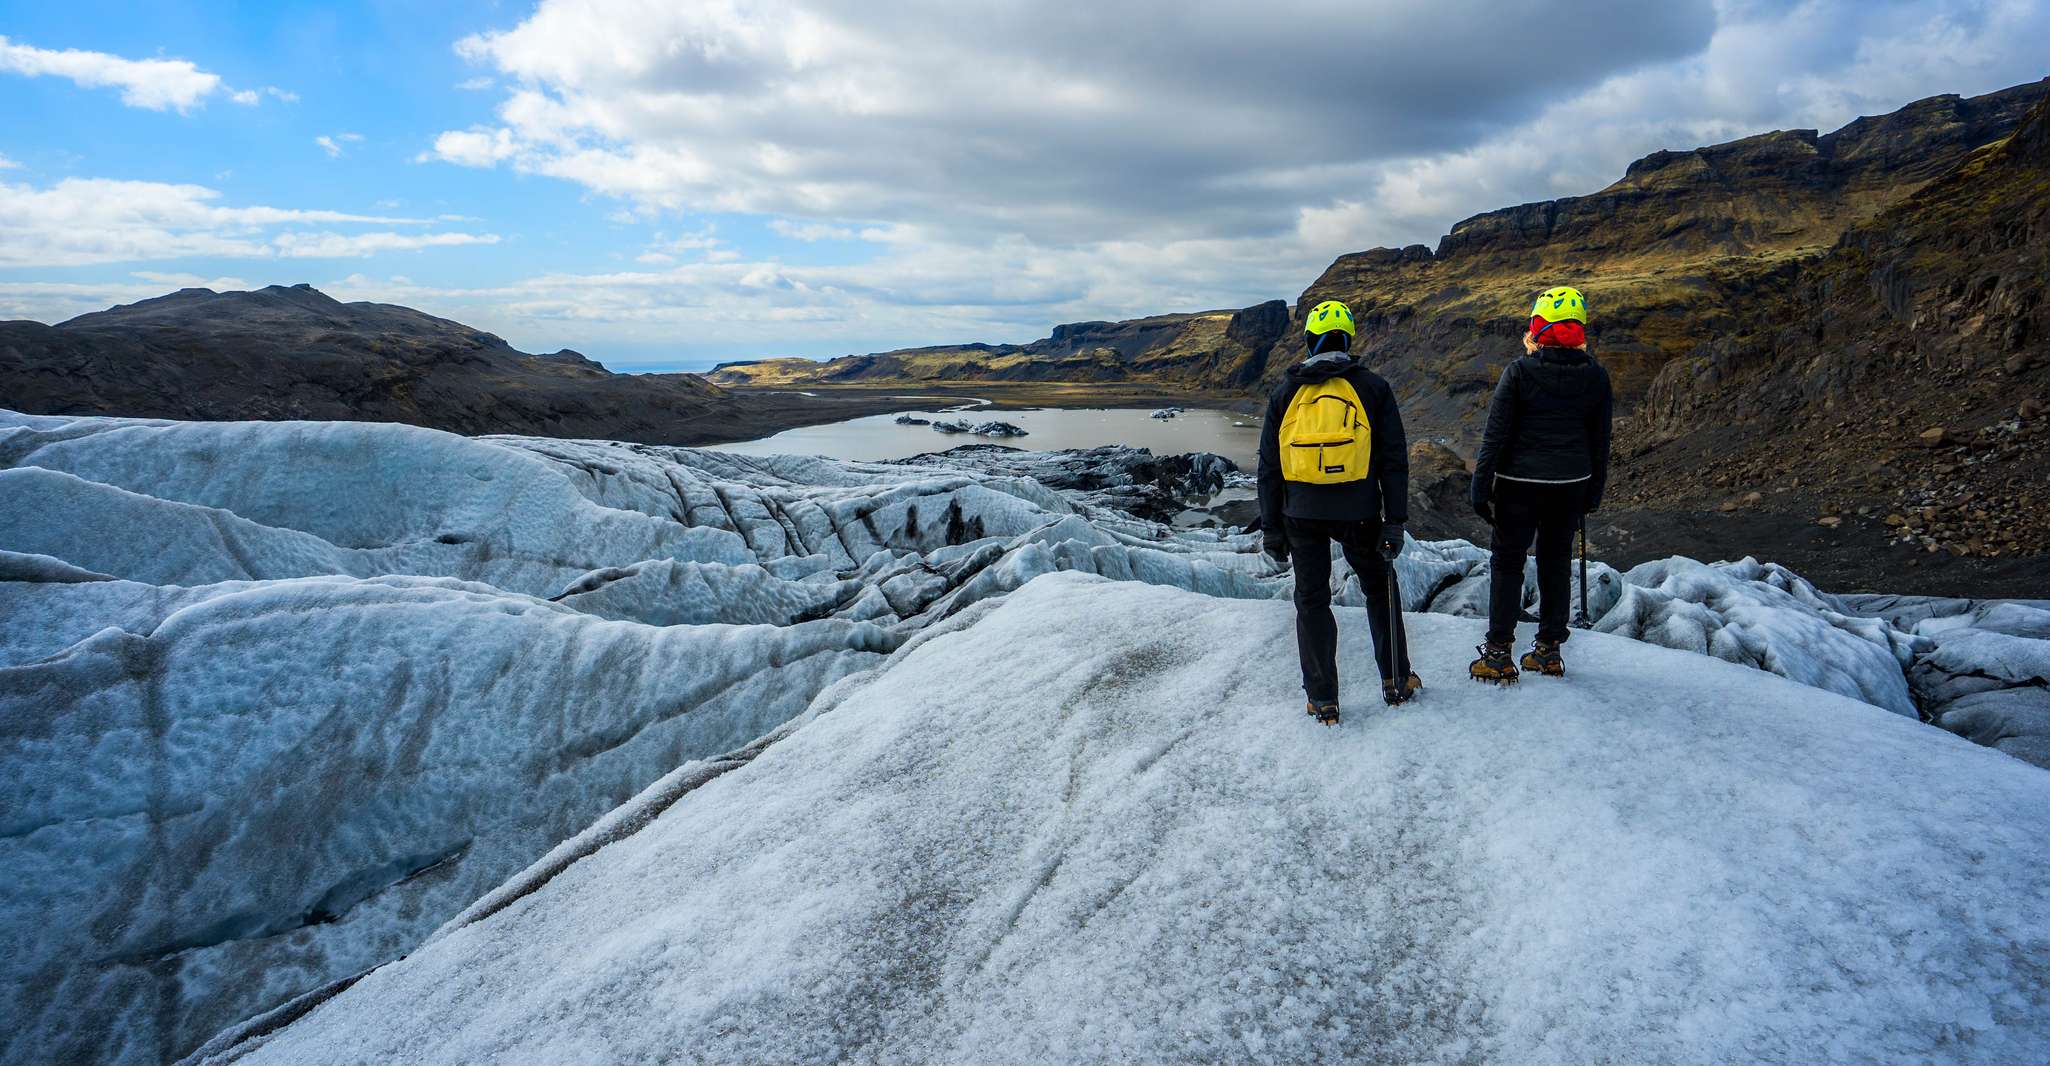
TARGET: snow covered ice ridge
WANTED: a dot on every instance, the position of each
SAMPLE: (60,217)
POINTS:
(1126,847)
(278,700)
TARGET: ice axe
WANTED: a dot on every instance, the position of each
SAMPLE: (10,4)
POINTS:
(1398,638)
(1580,619)
(1395,634)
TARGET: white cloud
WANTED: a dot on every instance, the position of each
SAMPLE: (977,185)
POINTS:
(1045,122)
(190,281)
(355,245)
(471,148)
(8,164)
(698,239)
(156,84)
(80,221)
(698,244)
(477,84)
(246,97)
(812,231)
(281,95)
(333,146)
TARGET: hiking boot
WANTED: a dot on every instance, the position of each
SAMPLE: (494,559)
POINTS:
(1494,666)
(1325,711)
(1393,692)
(1543,657)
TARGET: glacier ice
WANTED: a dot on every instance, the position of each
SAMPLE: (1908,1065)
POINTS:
(235,792)
(1128,847)
(277,700)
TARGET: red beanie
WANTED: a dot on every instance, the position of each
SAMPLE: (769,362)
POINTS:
(1557,334)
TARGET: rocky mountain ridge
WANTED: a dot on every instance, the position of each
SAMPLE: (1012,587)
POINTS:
(1903,374)
(1180,350)
(293,352)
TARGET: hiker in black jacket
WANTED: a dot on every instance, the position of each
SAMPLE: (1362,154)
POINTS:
(1543,464)
(1310,498)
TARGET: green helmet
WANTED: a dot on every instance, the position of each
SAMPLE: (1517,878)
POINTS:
(1328,316)
(1562,304)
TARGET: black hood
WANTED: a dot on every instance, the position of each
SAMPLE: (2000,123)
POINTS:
(1563,356)
(1322,367)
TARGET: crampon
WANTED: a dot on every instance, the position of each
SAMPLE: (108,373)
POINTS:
(1494,666)
(1543,657)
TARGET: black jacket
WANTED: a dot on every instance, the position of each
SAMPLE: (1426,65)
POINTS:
(1383,493)
(1549,423)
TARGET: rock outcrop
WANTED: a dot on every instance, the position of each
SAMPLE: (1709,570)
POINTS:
(296,353)
(1206,350)
(1901,372)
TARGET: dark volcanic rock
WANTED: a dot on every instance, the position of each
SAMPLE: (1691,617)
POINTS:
(1133,480)
(296,353)
(1438,505)
(1206,349)
(1891,372)
(1251,338)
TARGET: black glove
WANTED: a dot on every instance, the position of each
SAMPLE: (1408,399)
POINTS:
(1590,500)
(1391,540)
(1275,546)
(1481,506)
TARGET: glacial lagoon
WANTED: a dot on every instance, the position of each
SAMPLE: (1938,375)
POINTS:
(879,437)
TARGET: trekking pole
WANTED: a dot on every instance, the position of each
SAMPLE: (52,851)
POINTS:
(1581,620)
(1398,640)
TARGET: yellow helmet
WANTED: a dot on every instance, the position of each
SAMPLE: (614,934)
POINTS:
(1328,316)
(1561,304)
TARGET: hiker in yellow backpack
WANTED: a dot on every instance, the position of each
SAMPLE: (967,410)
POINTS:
(1334,468)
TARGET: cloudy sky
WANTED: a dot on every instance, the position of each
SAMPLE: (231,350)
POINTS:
(662,183)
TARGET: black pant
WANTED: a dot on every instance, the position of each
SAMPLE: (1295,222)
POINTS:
(1316,631)
(1524,510)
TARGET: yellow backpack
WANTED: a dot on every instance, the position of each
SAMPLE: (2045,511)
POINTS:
(1325,438)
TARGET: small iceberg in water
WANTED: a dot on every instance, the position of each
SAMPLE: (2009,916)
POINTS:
(986,429)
